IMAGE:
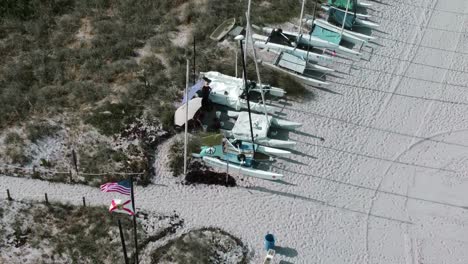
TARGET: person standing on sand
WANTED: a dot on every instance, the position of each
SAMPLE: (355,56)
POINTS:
(205,91)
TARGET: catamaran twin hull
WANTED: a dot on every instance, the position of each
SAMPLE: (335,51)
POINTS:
(238,158)
(360,19)
(228,91)
(294,65)
(261,126)
(246,171)
(348,35)
(312,41)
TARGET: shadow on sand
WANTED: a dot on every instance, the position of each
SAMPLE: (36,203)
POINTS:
(324,203)
(286,251)
(373,189)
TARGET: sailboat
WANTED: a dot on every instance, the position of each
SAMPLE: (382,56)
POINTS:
(237,154)
(342,13)
(261,129)
(347,35)
(229,91)
(346,6)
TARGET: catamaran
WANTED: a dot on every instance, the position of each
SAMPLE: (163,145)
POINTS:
(236,155)
(261,128)
(319,37)
(229,91)
(343,5)
(312,57)
(347,35)
(351,18)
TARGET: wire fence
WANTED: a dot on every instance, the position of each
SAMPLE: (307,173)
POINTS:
(55,175)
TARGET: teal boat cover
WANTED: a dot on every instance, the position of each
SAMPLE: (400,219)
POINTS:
(342,4)
(336,17)
(326,34)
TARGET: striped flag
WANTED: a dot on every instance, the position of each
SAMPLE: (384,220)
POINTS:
(122,187)
(118,206)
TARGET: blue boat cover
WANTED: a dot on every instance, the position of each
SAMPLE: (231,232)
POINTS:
(326,34)
(337,16)
(342,4)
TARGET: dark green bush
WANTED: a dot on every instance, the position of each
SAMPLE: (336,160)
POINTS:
(38,131)
(13,138)
(111,119)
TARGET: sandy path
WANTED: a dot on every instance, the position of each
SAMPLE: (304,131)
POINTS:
(388,184)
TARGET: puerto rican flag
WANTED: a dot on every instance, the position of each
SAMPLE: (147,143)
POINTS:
(121,207)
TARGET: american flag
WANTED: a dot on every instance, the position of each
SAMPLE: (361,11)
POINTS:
(122,187)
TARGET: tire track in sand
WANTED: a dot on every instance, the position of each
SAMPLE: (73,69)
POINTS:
(409,147)
(409,243)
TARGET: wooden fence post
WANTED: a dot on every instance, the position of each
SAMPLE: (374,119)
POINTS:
(84,202)
(71,176)
(46,199)
(75,161)
(8,195)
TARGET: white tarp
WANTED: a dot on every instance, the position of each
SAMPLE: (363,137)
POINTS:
(193,106)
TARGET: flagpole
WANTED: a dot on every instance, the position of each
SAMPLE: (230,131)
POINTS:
(123,242)
(134,219)
(186,118)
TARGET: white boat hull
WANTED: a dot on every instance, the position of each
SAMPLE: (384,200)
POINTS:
(363,4)
(316,42)
(311,56)
(246,171)
(272,151)
(275,122)
(366,23)
(307,80)
(227,90)
(284,124)
(240,104)
(312,41)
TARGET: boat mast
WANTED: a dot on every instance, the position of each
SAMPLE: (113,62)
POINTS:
(299,34)
(247,33)
(244,69)
(249,29)
(310,33)
(186,117)
(344,18)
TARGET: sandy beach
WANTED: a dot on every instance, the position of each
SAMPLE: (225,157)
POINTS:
(389,182)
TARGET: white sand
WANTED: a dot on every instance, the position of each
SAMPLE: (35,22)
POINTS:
(388,185)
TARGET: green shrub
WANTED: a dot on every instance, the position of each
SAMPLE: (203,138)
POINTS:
(92,161)
(176,153)
(14,138)
(16,155)
(39,131)
(111,119)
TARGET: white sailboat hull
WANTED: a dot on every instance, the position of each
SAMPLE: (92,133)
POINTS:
(307,80)
(317,42)
(275,122)
(312,41)
(272,151)
(311,56)
(240,104)
(363,4)
(246,171)
(366,23)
